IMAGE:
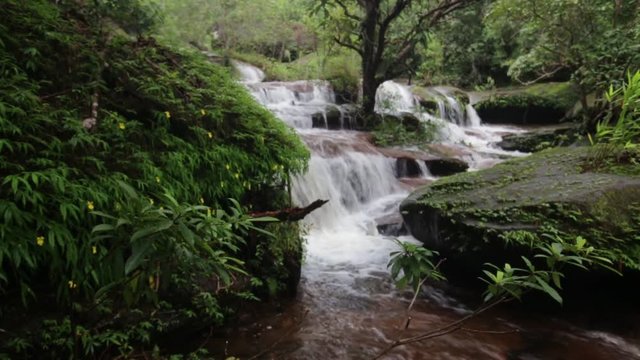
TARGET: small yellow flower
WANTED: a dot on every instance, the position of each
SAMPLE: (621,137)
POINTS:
(158,179)
(40,240)
(167,114)
(203,112)
(72,285)
(210,134)
(90,205)
(201,200)
(122,126)
(274,167)
(237,175)
(228,167)
(151,201)
(94,250)
(161,207)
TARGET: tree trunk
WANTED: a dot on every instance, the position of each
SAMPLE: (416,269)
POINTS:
(369,88)
(370,82)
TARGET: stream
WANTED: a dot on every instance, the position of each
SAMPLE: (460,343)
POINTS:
(347,307)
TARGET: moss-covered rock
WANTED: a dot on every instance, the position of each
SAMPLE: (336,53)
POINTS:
(431,98)
(521,203)
(536,104)
(540,139)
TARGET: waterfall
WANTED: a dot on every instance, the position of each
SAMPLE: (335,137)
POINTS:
(347,301)
(249,74)
(392,97)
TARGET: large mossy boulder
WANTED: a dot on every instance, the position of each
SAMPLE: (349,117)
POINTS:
(538,104)
(505,211)
(540,139)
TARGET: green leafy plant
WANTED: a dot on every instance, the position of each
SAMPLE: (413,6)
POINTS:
(624,108)
(503,284)
(118,157)
(412,265)
(391,132)
(514,282)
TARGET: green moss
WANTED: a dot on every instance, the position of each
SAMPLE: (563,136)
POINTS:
(548,192)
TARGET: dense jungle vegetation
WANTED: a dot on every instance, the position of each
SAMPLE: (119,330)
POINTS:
(131,164)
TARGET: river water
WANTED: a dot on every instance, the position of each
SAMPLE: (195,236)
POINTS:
(347,306)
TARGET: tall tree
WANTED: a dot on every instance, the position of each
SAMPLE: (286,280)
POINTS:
(596,41)
(385,33)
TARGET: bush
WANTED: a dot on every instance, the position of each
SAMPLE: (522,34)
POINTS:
(104,149)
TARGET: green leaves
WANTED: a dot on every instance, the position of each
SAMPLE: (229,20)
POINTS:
(412,264)
(621,127)
(514,282)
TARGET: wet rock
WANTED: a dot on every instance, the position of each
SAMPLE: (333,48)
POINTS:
(412,183)
(501,213)
(540,139)
(541,104)
(391,225)
(407,168)
(331,119)
(429,105)
(438,165)
(446,166)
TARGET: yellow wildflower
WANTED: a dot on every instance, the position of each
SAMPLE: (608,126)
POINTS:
(94,250)
(122,126)
(167,114)
(237,175)
(158,179)
(40,240)
(151,201)
(72,285)
(210,134)
(228,167)
(201,200)
(203,112)
(90,205)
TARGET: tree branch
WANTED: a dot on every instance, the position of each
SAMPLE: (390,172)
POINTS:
(347,45)
(347,13)
(399,6)
(291,214)
(447,329)
(541,77)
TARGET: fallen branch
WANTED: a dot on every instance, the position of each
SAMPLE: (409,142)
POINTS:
(444,330)
(291,214)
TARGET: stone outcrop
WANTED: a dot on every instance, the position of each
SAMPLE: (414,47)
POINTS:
(540,139)
(514,206)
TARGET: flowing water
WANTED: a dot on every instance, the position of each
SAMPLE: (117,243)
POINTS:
(347,307)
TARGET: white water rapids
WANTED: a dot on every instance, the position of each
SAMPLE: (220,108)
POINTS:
(348,307)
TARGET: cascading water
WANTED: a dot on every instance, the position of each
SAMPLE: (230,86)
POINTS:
(348,308)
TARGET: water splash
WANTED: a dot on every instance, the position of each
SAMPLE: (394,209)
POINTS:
(248,74)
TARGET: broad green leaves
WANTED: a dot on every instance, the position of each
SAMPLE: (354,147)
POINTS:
(553,257)
(412,264)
